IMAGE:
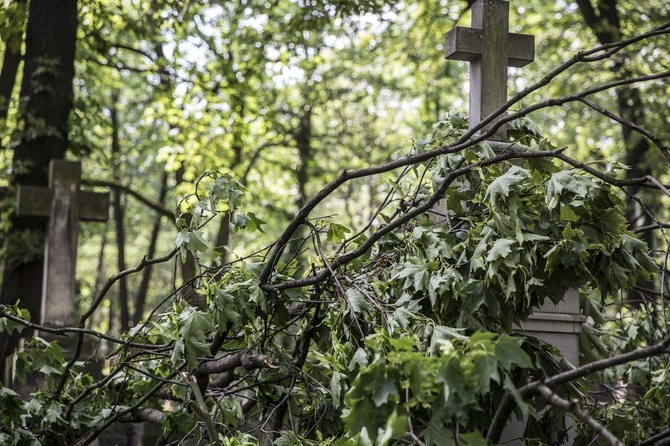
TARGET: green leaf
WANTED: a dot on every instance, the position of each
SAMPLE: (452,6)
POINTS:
(358,301)
(508,351)
(396,427)
(192,241)
(337,233)
(501,249)
(254,223)
(500,190)
(336,388)
(360,359)
(487,371)
(474,439)
(384,388)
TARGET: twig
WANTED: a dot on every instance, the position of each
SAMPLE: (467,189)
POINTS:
(64,330)
(638,128)
(82,322)
(201,408)
(365,246)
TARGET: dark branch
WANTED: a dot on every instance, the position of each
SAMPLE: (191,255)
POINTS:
(244,359)
(573,407)
(160,209)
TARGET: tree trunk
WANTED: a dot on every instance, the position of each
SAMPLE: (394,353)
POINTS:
(141,299)
(10,62)
(303,142)
(124,310)
(46,99)
(99,278)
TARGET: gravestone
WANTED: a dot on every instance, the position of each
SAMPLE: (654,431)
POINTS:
(64,204)
(491,49)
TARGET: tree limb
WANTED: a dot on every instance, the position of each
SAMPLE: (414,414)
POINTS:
(153,416)
(531,389)
(246,359)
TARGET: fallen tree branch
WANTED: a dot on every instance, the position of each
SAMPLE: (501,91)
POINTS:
(531,389)
(365,246)
(246,359)
(153,416)
(105,289)
(573,408)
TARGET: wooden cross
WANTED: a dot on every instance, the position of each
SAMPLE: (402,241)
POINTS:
(490,49)
(64,204)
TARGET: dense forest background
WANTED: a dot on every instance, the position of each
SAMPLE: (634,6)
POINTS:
(164,101)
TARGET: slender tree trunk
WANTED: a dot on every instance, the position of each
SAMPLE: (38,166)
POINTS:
(188,266)
(99,277)
(46,97)
(141,299)
(303,142)
(223,237)
(10,62)
(124,310)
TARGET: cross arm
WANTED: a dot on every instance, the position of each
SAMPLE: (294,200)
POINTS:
(36,201)
(466,44)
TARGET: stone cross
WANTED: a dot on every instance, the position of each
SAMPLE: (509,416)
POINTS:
(490,49)
(64,204)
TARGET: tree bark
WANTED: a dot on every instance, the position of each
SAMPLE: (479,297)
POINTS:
(142,291)
(46,99)
(124,311)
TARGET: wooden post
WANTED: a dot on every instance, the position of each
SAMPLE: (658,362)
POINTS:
(65,205)
(490,49)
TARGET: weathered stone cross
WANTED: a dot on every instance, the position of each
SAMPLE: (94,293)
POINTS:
(490,49)
(64,204)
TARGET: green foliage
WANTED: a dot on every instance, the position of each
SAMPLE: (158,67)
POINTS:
(413,339)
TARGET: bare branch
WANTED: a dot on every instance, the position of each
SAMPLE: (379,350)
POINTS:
(65,330)
(638,128)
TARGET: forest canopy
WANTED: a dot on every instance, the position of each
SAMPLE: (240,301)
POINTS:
(309,242)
